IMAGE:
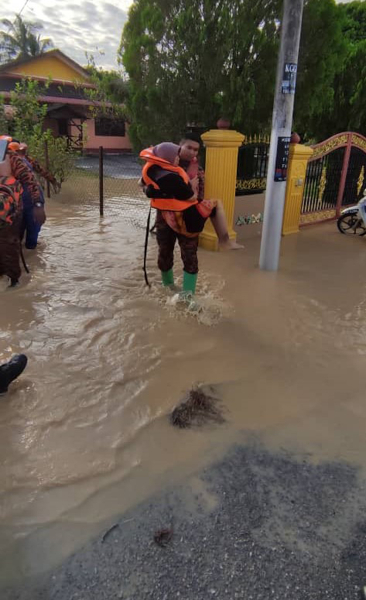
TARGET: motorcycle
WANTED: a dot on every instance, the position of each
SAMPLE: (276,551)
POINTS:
(353,219)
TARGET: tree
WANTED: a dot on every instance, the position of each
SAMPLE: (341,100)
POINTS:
(109,96)
(29,113)
(27,125)
(323,50)
(349,107)
(175,76)
(250,69)
(4,120)
(354,24)
(21,39)
(192,61)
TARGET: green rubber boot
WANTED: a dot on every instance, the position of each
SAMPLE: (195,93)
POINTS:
(189,290)
(167,278)
(189,283)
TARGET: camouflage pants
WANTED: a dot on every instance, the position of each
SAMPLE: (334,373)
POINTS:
(10,250)
(166,238)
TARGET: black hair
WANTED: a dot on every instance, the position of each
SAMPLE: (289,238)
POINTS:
(193,136)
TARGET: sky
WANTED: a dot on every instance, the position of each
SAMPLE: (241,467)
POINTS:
(78,26)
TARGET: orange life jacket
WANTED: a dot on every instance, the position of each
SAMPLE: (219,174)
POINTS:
(164,203)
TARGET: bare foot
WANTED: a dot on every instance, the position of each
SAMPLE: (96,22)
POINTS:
(230,245)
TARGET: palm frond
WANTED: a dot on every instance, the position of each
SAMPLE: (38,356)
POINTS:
(23,41)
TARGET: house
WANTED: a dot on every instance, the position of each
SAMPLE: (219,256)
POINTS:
(68,105)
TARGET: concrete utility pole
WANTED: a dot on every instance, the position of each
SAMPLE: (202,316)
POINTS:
(281,132)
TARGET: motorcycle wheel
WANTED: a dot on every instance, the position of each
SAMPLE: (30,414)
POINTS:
(351,225)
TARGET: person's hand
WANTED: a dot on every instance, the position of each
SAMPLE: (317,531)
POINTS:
(194,184)
(39,215)
(56,186)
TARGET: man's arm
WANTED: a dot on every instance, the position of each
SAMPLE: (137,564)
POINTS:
(201,184)
(23,173)
(41,171)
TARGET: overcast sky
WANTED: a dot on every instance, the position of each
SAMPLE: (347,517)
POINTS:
(78,26)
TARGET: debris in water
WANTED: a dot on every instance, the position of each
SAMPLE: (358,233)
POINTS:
(114,527)
(109,531)
(199,408)
(163,537)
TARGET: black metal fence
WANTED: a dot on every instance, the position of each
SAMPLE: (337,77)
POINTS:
(322,182)
(324,188)
(356,177)
(252,165)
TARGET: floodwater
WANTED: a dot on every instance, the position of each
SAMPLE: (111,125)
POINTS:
(85,434)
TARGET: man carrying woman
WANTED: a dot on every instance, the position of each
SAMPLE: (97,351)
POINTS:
(181,214)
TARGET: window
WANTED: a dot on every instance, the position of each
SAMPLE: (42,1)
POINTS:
(63,128)
(110,127)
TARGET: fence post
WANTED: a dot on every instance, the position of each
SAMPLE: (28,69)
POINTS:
(101,195)
(296,174)
(342,183)
(47,161)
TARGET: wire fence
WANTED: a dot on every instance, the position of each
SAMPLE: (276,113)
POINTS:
(108,183)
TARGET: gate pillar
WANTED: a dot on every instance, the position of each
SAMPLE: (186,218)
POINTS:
(220,178)
(298,161)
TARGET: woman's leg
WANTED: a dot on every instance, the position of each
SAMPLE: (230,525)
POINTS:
(218,220)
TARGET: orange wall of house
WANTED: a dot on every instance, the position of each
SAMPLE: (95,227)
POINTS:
(49,66)
(93,141)
(109,142)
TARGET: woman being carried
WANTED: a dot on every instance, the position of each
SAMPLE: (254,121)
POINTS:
(180,215)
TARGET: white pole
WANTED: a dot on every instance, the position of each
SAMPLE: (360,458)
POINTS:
(281,132)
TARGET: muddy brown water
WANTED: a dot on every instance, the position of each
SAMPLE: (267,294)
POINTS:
(84,433)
